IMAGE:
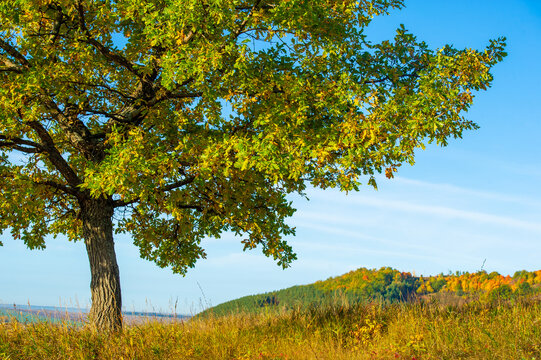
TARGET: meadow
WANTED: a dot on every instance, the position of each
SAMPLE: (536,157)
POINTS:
(509,329)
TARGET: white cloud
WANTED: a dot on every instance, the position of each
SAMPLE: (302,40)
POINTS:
(349,234)
(448,188)
(447,212)
(419,206)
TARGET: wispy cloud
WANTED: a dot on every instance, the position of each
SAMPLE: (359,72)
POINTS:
(420,206)
(448,212)
(337,219)
(341,233)
(448,188)
(358,249)
(354,243)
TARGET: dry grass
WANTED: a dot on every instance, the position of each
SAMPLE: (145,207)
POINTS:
(403,331)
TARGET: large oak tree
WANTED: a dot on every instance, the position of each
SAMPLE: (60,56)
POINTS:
(175,120)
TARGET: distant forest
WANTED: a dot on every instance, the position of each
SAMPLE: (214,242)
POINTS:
(388,285)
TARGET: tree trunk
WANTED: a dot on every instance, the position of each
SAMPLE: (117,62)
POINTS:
(105,313)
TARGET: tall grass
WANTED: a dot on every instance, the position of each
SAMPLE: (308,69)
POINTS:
(498,330)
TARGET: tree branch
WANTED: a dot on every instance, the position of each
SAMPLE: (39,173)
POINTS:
(10,50)
(18,147)
(245,21)
(57,24)
(387,78)
(104,50)
(54,155)
(19,141)
(102,87)
(173,186)
(177,184)
(11,69)
(78,134)
(194,207)
(179,95)
(57,186)
(122,203)
(249,8)
(10,66)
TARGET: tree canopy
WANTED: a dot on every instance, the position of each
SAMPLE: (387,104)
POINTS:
(191,118)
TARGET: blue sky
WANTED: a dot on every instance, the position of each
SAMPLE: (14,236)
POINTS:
(479,198)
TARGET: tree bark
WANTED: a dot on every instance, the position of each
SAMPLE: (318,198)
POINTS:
(105,313)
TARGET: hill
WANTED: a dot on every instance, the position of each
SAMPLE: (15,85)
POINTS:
(389,286)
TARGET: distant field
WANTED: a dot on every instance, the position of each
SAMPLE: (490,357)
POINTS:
(31,314)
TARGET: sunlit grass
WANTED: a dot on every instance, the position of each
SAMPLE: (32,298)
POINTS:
(507,330)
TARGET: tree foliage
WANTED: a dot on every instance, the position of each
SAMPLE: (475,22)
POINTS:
(197,117)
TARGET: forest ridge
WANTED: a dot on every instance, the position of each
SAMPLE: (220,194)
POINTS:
(390,285)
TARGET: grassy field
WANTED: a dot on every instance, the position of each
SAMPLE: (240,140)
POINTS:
(497,330)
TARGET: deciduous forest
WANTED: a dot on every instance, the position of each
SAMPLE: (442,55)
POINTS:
(388,285)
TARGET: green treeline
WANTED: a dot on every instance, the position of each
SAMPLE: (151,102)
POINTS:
(389,286)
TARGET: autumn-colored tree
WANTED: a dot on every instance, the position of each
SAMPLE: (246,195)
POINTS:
(185,119)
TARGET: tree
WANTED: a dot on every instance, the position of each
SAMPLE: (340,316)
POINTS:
(179,120)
